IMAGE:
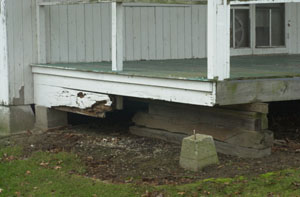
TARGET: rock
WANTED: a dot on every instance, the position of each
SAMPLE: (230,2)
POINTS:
(197,152)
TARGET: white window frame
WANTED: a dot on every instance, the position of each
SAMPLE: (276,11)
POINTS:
(253,50)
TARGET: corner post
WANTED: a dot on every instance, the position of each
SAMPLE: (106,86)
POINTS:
(117,36)
(218,36)
(4,66)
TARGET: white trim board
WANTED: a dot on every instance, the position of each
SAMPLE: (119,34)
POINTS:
(172,90)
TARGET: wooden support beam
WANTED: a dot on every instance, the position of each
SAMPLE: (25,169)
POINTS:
(117,36)
(218,36)
(41,33)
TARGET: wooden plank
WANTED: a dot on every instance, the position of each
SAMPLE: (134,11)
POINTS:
(34,31)
(182,125)
(159,32)
(152,33)
(144,34)
(157,134)
(129,33)
(180,33)
(72,33)
(259,90)
(298,26)
(117,36)
(106,31)
(140,87)
(55,33)
(253,107)
(137,33)
(221,118)
(57,96)
(174,33)
(166,33)
(97,33)
(202,18)
(18,54)
(89,33)
(188,32)
(28,50)
(63,34)
(41,34)
(195,32)
(80,32)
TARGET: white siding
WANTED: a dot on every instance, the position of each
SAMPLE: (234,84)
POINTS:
(150,33)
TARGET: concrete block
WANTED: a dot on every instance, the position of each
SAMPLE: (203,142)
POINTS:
(197,152)
(47,118)
(15,119)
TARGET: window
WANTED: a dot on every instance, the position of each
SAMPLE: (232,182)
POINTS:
(240,27)
(264,23)
(270,22)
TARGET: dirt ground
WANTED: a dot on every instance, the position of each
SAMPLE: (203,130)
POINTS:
(112,154)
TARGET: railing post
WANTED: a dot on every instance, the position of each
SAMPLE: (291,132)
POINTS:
(117,36)
(218,39)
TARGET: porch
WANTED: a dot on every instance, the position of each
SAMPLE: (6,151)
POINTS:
(253,79)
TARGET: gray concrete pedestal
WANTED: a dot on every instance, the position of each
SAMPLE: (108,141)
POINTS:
(14,119)
(47,118)
(197,152)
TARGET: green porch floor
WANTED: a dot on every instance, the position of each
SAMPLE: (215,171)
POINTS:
(242,67)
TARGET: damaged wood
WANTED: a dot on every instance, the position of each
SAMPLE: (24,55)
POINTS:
(75,101)
(97,110)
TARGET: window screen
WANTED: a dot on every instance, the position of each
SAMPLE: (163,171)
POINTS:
(270,25)
(240,27)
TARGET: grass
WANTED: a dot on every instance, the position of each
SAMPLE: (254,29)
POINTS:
(61,174)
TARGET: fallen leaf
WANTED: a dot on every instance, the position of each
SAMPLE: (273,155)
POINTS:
(28,172)
(57,167)
(181,193)
(44,164)
(1,190)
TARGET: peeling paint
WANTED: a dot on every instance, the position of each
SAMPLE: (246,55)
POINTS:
(20,99)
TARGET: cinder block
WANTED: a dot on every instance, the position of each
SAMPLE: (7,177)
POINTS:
(197,152)
(47,118)
(15,119)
